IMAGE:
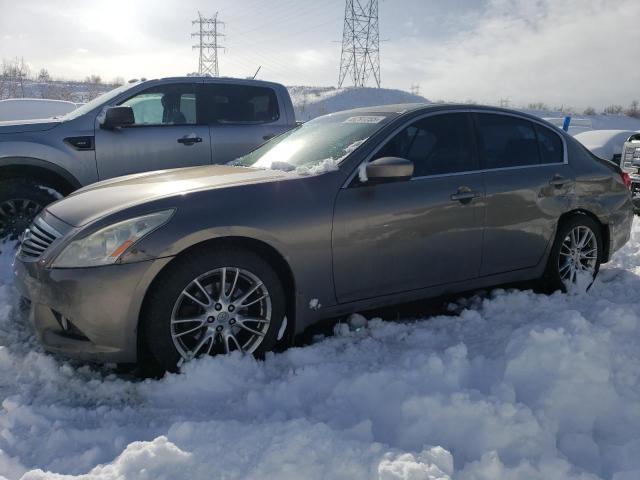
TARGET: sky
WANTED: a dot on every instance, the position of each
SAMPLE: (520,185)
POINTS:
(575,53)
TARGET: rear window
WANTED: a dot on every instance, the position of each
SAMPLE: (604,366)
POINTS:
(245,104)
(551,149)
(506,141)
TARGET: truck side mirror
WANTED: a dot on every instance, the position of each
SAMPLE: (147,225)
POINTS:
(118,117)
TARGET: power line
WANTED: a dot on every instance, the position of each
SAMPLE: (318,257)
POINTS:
(360,57)
(208,44)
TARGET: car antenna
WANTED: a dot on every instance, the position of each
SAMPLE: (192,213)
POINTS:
(256,74)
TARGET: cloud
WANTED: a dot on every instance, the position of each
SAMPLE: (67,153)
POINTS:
(571,52)
(313,58)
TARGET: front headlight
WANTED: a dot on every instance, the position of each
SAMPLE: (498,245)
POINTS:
(105,246)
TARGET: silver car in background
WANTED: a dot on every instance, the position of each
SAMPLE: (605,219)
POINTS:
(350,211)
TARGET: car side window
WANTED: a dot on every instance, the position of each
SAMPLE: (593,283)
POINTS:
(164,105)
(506,141)
(551,148)
(436,145)
(241,104)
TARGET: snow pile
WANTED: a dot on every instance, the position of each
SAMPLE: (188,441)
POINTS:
(311,102)
(511,385)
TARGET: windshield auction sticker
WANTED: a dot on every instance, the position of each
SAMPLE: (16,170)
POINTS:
(364,119)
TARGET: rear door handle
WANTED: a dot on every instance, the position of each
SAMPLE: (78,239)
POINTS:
(464,195)
(269,137)
(559,181)
(189,140)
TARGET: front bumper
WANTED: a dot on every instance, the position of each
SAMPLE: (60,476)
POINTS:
(102,305)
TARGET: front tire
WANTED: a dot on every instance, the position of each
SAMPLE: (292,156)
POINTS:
(21,200)
(576,254)
(210,303)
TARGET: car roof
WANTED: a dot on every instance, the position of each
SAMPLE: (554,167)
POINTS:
(413,108)
(209,79)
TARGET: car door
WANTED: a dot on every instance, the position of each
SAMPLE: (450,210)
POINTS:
(426,231)
(166,133)
(241,117)
(527,181)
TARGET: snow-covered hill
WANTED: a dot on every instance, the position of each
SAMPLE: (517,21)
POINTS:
(311,102)
(509,385)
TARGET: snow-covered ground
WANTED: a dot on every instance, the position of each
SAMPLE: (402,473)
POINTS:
(511,385)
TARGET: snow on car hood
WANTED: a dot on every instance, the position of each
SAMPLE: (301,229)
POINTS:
(19,126)
(102,198)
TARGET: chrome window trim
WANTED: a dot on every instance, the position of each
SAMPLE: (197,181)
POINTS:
(565,155)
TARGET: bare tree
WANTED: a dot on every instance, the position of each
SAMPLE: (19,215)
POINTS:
(634,109)
(613,110)
(538,106)
(589,111)
(44,81)
(94,82)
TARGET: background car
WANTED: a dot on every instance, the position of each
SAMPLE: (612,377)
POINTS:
(606,144)
(141,126)
(350,211)
(630,163)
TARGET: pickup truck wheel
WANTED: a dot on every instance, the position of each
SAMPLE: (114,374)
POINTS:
(20,201)
(213,303)
(576,254)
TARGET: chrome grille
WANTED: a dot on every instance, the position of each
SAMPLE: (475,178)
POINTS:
(37,238)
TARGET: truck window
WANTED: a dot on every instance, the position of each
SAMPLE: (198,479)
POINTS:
(241,104)
(164,105)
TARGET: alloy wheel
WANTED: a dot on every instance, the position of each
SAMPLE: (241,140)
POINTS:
(578,255)
(16,214)
(224,310)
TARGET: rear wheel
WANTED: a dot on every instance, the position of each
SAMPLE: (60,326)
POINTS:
(213,303)
(20,201)
(576,254)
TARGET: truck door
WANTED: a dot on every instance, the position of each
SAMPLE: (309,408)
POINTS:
(166,134)
(241,117)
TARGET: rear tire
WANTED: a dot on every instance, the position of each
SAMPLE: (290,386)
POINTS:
(21,199)
(577,250)
(187,315)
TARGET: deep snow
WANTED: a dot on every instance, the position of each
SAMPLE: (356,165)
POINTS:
(511,385)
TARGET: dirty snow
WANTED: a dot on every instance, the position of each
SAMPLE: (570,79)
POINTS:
(511,385)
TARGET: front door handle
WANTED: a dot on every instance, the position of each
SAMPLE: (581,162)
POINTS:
(559,181)
(189,140)
(464,195)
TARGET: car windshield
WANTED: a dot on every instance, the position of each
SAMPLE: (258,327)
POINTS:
(96,102)
(318,145)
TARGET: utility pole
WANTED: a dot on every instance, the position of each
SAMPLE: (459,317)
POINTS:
(415,88)
(207,34)
(360,57)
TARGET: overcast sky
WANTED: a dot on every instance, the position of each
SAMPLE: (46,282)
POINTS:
(571,52)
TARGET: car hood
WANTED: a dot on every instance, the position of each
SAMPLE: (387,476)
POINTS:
(102,198)
(37,125)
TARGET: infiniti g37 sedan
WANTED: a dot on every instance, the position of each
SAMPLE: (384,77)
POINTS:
(350,211)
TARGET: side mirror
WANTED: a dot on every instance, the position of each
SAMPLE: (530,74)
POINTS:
(118,117)
(389,168)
